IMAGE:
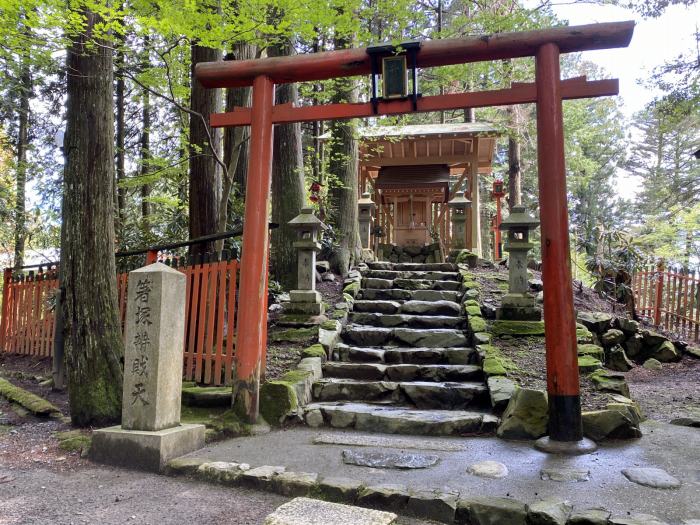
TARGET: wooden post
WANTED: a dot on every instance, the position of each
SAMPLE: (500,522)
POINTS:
(5,312)
(151,257)
(252,320)
(658,300)
(565,424)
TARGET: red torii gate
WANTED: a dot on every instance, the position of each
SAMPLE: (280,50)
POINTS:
(547,92)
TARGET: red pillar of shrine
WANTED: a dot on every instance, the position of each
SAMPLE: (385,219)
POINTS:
(251,338)
(565,427)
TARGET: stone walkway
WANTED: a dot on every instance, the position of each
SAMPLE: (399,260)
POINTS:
(533,481)
(405,364)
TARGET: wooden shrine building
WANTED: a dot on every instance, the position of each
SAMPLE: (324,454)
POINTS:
(412,172)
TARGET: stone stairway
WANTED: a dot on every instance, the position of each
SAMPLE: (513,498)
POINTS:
(405,364)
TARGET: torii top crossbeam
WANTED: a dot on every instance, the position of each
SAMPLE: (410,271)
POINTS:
(548,91)
(352,62)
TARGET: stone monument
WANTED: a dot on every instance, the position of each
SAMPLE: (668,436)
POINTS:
(151,434)
(518,303)
(305,299)
(459,205)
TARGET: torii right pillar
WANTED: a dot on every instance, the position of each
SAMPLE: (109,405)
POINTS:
(565,425)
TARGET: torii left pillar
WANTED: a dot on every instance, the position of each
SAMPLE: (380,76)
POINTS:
(251,337)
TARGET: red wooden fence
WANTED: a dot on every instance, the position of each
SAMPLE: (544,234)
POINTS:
(669,298)
(27,322)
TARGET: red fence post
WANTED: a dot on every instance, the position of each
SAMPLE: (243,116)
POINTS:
(565,424)
(252,318)
(658,300)
(151,257)
(7,276)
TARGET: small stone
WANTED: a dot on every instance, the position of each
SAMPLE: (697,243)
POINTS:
(261,477)
(501,390)
(628,326)
(597,322)
(686,422)
(565,474)
(489,510)
(612,337)
(651,477)
(223,472)
(314,418)
(666,352)
(526,415)
(617,360)
(432,505)
(295,483)
(488,469)
(550,511)
(389,460)
(652,364)
(614,424)
(328,277)
(589,517)
(305,511)
(392,497)
(633,346)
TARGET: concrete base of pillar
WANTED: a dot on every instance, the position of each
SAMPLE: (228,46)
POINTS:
(144,450)
(518,307)
(568,448)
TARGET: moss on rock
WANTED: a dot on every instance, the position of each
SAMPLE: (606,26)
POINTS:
(518,328)
(229,424)
(352,289)
(79,443)
(477,324)
(316,350)
(493,367)
(35,404)
(473,311)
(594,351)
(294,335)
(471,302)
(588,363)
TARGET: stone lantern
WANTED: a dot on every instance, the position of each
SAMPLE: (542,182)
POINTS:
(518,303)
(366,207)
(459,205)
(305,299)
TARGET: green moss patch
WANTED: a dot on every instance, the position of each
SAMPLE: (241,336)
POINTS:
(76,444)
(477,324)
(352,289)
(329,325)
(493,367)
(594,351)
(473,311)
(201,415)
(228,424)
(277,399)
(316,350)
(471,302)
(294,335)
(588,363)
(35,404)
(199,396)
(518,328)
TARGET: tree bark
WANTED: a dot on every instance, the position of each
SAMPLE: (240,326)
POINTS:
(91,327)
(343,157)
(145,151)
(205,145)
(514,171)
(120,193)
(25,87)
(287,182)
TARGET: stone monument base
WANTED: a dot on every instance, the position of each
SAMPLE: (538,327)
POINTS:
(304,302)
(518,307)
(144,450)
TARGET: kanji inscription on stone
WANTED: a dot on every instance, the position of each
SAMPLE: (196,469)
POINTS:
(155,326)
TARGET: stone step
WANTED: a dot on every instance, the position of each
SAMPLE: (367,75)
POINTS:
(409,284)
(434,356)
(393,294)
(414,267)
(421,394)
(430,307)
(373,336)
(421,275)
(402,372)
(412,321)
(404,420)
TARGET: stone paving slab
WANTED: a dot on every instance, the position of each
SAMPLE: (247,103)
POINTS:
(383,441)
(305,511)
(607,487)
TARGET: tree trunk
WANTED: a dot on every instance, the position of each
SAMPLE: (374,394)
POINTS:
(205,171)
(514,171)
(25,87)
(146,153)
(343,157)
(120,139)
(287,182)
(91,326)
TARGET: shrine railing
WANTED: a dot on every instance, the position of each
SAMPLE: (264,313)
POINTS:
(28,319)
(669,297)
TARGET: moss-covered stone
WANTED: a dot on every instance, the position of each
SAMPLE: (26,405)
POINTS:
(466,257)
(338,314)
(279,398)
(583,334)
(471,302)
(588,363)
(594,351)
(526,415)
(230,424)
(352,289)
(79,443)
(33,403)
(518,328)
(316,350)
(477,324)
(493,367)
(610,382)
(473,311)
(329,325)
(471,285)
(199,396)
(293,335)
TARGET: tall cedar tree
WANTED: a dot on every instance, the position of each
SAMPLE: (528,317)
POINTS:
(287,182)
(92,332)
(205,172)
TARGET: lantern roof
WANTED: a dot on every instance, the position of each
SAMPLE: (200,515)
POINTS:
(519,218)
(306,219)
(365,199)
(459,200)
